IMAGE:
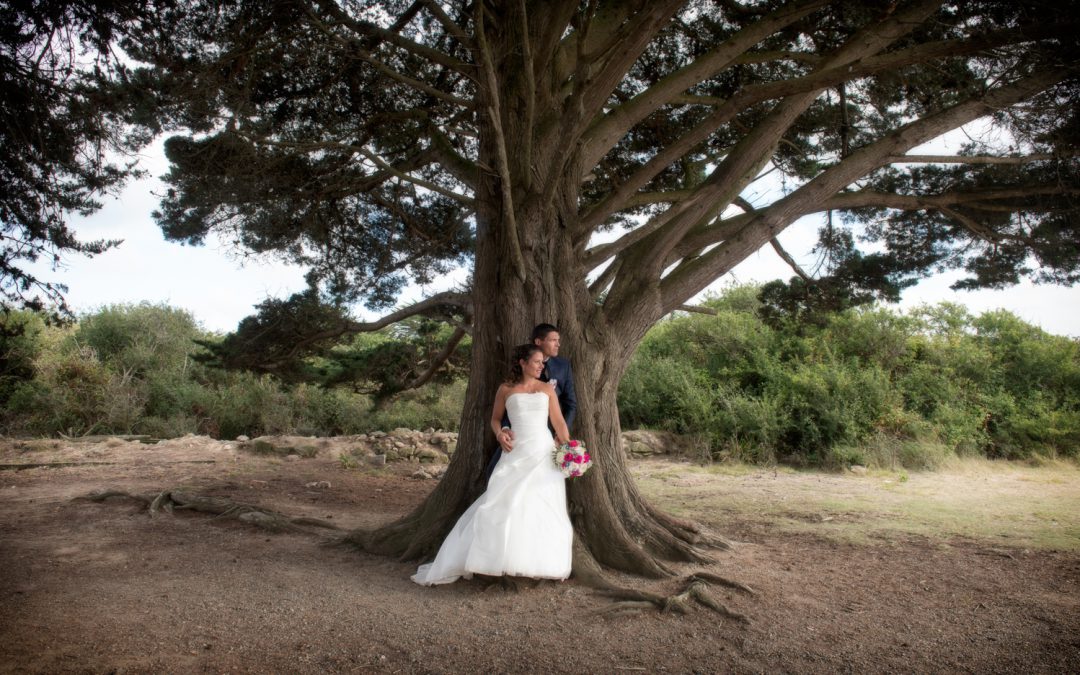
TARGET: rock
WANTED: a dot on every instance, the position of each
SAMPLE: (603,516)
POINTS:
(420,475)
(429,431)
(451,447)
(428,454)
(657,442)
(857,470)
(377,434)
(318,484)
(640,449)
(292,458)
(242,439)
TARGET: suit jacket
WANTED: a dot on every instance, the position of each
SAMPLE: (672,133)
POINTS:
(558,369)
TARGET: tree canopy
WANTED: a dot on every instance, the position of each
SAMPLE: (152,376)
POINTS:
(63,136)
(361,139)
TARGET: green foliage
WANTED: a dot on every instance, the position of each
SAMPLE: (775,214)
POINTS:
(137,369)
(864,386)
(867,386)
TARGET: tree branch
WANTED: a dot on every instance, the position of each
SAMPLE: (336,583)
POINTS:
(494,110)
(832,73)
(530,97)
(367,56)
(966,159)
(978,229)
(786,257)
(449,24)
(697,309)
(434,187)
(871,198)
(437,361)
(348,327)
(690,277)
(367,28)
(614,125)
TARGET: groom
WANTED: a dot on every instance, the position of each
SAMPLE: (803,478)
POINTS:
(557,372)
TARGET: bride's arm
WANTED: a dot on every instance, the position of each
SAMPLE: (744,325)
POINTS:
(562,433)
(498,411)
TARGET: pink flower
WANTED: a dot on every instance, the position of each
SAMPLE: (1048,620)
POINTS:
(587,457)
(573,444)
(568,457)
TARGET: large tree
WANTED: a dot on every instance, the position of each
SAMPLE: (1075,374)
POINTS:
(588,159)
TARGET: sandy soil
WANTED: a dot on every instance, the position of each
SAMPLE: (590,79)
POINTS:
(104,588)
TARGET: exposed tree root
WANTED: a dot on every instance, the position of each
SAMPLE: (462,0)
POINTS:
(695,590)
(219,507)
(631,601)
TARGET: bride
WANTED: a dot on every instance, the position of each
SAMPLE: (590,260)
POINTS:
(519,526)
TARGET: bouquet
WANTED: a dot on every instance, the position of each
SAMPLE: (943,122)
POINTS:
(572,459)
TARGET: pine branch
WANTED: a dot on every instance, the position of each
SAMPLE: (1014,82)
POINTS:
(393,37)
(690,277)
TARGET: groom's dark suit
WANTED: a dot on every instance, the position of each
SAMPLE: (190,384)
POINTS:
(556,370)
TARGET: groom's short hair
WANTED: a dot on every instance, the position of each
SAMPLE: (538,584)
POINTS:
(541,331)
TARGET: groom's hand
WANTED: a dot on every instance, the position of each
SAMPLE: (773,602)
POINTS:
(506,439)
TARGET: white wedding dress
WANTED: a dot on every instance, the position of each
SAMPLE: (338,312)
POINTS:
(519,526)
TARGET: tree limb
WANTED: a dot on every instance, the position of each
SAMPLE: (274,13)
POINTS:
(437,361)
(616,123)
(393,37)
(494,110)
(359,48)
(786,257)
(689,278)
(834,74)
(434,187)
(966,159)
(449,24)
(348,327)
(980,230)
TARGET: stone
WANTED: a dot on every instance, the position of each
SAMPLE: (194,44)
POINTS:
(858,470)
(318,484)
(242,439)
(428,454)
(420,475)
(292,458)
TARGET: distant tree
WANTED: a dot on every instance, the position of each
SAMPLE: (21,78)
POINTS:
(588,160)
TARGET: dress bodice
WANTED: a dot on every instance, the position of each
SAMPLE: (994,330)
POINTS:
(528,414)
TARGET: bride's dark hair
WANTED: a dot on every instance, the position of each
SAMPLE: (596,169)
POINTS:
(520,353)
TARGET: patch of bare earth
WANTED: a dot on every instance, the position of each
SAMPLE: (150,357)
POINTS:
(106,588)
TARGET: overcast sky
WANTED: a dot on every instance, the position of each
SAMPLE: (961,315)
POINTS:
(219,287)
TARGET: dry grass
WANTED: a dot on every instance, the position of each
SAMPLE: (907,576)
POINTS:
(999,503)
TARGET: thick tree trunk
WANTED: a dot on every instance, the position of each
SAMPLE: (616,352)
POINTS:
(614,525)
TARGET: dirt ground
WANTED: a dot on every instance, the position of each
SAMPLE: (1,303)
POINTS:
(105,588)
